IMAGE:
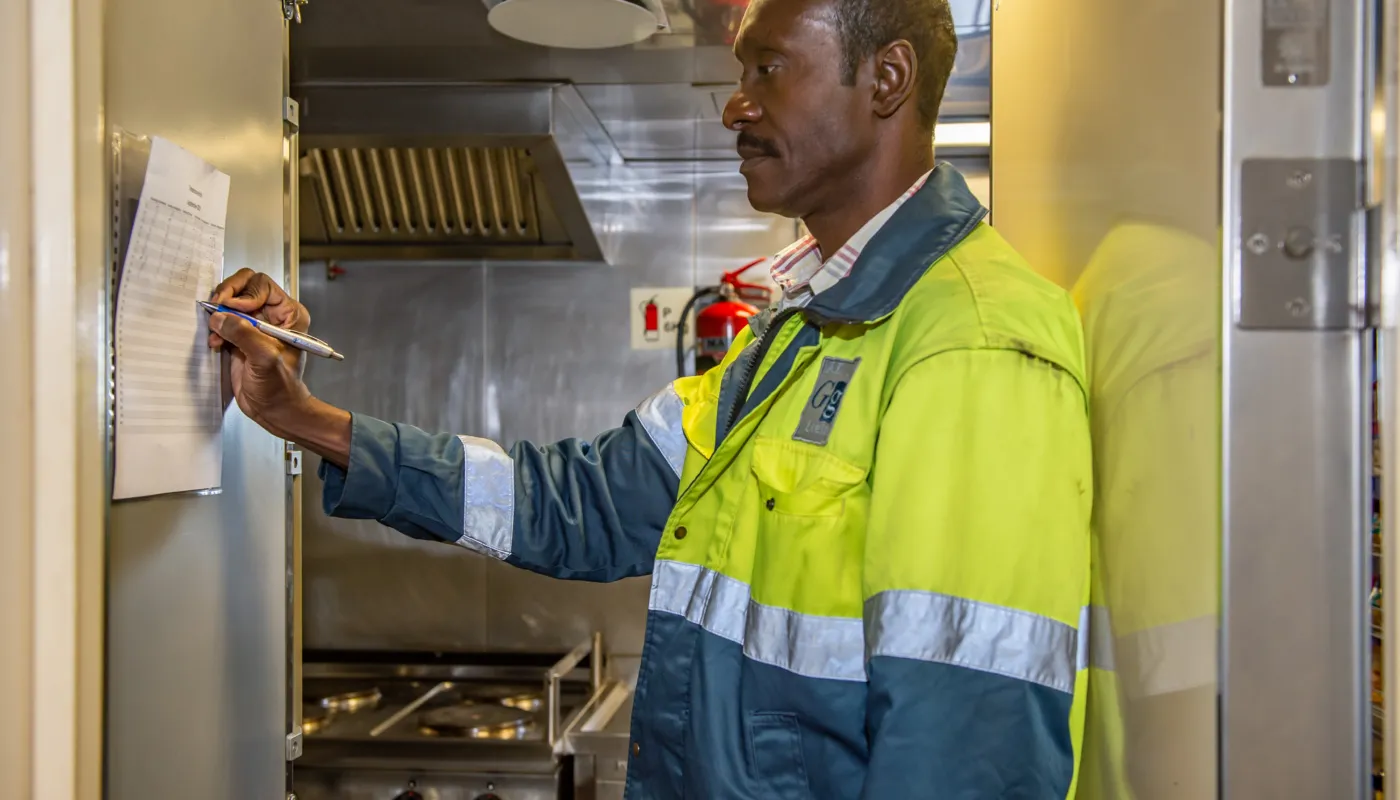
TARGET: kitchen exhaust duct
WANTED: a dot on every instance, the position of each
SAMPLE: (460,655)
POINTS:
(447,171)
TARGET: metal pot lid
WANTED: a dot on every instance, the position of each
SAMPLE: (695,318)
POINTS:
(476,721)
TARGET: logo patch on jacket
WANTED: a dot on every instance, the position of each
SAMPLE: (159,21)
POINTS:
(822,407)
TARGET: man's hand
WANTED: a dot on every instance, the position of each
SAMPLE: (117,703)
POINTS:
(266,374)
(257,295)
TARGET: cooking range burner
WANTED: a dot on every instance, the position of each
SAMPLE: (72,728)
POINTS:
(473,721)
(350,702)
(509,696)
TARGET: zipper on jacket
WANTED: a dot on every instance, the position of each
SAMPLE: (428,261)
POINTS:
(746,377)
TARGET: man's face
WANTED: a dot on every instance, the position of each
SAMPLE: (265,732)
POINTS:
(801,132)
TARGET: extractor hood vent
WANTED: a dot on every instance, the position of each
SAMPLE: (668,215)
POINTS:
(456,171)
(448,194)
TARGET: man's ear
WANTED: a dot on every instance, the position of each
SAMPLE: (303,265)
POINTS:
(896,69)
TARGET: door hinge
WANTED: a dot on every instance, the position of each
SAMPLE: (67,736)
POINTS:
(291,10)
(1373,265)
(1303,245)
(293,462)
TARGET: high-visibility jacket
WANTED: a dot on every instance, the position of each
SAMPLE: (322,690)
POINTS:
(867,530)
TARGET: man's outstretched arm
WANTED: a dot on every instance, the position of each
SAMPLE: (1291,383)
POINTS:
(590,510)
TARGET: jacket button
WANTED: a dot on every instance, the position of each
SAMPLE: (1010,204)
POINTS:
(636,749)
(771,503)
(680,532)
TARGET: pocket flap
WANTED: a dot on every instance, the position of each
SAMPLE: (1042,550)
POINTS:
(778,762)
(796,468)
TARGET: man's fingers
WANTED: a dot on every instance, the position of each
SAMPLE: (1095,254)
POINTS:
(257,346)
(232,285)
(257,294)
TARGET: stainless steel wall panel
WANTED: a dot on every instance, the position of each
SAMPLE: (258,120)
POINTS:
(561,365)
(414,342)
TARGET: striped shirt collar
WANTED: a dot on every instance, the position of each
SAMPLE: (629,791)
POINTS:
(801,272)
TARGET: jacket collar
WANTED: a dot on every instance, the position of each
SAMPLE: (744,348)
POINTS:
(923,230)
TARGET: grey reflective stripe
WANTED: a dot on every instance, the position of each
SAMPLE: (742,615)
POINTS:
(927,626)
(1170,658)
(818,647)
(661,417)
(1095,639)
(715,602)
(488,498)
(906,624)
(806,644)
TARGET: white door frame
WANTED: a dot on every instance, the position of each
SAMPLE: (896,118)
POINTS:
(51,222)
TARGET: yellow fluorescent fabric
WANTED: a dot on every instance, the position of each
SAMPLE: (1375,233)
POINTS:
(986,488)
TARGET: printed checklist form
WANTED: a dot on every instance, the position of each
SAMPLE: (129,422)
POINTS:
(169,410)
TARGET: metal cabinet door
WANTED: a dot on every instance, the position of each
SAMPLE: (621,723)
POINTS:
(197,585)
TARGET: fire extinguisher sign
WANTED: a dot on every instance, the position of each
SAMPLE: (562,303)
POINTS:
(656,311)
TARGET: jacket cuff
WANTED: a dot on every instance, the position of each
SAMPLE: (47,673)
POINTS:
(366,490)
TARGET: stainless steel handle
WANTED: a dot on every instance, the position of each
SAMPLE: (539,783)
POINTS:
(410,708)
(560,670)
(596,665)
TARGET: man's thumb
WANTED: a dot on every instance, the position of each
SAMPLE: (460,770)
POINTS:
(256,345)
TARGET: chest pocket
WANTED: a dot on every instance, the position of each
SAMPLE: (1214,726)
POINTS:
(810,528)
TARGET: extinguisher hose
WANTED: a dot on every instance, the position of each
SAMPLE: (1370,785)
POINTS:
(703,292)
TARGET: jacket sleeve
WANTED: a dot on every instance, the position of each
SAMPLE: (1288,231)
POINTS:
(588,510)
(976,568)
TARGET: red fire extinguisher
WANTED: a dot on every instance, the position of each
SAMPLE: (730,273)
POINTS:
(718,322)
(651,324)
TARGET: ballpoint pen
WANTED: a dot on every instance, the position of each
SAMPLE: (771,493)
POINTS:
(301,341)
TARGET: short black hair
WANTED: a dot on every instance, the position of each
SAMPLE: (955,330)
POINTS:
(867,25)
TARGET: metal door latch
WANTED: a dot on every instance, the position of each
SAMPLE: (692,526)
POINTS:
(291,114)
(1300,256)
(294,746)
(293,462)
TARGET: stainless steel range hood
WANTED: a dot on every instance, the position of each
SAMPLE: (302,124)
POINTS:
(447,171)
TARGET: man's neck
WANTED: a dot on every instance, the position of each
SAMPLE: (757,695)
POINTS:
(869,192)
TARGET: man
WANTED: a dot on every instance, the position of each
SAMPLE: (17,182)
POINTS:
(868,528)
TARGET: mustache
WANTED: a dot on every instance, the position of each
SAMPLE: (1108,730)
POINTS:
(764,146)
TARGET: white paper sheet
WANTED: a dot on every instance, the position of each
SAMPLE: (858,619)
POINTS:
(169,408)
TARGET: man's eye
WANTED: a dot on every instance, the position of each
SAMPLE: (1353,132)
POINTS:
(766,69)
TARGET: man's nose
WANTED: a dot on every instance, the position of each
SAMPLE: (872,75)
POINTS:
(740,111)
